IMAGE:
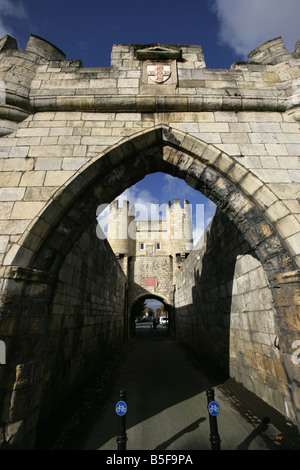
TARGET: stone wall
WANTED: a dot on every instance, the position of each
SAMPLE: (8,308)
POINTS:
(68,329)
(65,115)
(224,309)
(87,318)
(73,138)
(158,268)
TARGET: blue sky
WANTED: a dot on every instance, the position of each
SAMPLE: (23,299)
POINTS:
(227,30)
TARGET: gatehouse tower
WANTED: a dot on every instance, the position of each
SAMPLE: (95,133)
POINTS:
(149,251)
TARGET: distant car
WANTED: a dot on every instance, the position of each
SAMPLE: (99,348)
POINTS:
(163,320)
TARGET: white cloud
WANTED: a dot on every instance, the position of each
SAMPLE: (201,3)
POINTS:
(143,201)
(10,10)
(145,204)
(246,24)
(175,186)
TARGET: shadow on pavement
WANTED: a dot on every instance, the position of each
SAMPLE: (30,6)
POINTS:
(164,382)
(192,427)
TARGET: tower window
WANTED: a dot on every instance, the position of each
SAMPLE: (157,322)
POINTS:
(142,246)
(158,246)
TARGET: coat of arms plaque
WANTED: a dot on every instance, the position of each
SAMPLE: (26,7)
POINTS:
(159,73)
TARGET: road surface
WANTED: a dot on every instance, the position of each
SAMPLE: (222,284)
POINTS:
(167,406)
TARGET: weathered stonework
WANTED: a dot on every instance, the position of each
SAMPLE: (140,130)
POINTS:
(150,251)
(74,138)
(225,310)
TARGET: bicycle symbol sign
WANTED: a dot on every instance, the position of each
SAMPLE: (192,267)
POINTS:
(121,408)
(213,408)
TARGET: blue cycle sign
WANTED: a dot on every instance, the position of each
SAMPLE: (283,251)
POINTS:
(213,408)
(121,408)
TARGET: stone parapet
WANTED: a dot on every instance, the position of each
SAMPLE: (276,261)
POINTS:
(51,82)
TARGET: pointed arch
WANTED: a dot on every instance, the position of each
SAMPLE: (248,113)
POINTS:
(236,190)
(243,197)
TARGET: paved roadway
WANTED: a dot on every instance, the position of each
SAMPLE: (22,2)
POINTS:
(167,406)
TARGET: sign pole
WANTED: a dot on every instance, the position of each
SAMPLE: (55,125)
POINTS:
(121,410)
(213,409)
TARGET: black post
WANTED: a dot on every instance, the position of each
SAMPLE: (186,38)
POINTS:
(214,435)
(122,436)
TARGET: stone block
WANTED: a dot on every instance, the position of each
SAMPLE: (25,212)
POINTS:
(26,210)
(293,242)
(211,138)
(13,227)
(250,184)
(32,132)
(269,162)
(73,163)
(4,239)
(288,226)
(265,138)
(33,178)
(265,197)
(272,175)
(18,164)
(57,178)
(11,194)
(38,193)
(223,163)
(292,149)
(10,179)
(265,127)
(270,77)
(239,127)
(235,138)
(75,102)
(58,131)
(51,151)
(256,116)
(277,149)
(19,152)
(213,127)
(48,164)
(236,172)
(128,83)
(206,153)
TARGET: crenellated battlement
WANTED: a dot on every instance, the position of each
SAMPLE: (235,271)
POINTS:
(40,79)
(17,71)
(131,230)
(272,52)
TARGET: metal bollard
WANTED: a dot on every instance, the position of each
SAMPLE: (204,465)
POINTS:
(213,409)
(121,410)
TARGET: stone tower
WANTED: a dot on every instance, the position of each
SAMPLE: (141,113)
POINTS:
(150,252)
(121,220)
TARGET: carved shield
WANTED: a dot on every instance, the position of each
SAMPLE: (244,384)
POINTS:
(159,73)
(149,250)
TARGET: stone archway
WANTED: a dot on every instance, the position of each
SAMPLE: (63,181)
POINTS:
(35,276)
(167,304)
(234,188)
